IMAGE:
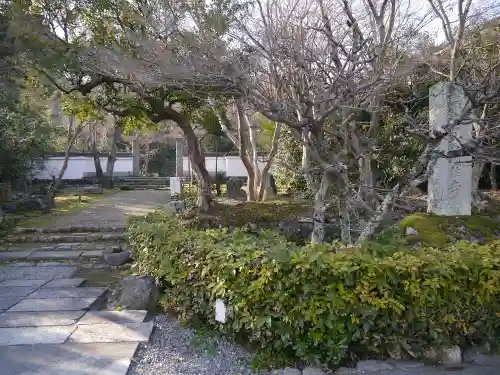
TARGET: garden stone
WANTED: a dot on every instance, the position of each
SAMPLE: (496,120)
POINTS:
(287,371)
(481,356)
(312,371)
(175,207)
(406,365)
(409,231)
(135,293)
(446,355)
(118,259)
(373,365)
(346,371)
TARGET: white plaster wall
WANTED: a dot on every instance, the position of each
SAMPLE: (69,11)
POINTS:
(78,166)
(231,165)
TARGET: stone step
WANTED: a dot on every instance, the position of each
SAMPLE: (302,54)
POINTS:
(70,237)
(70,229)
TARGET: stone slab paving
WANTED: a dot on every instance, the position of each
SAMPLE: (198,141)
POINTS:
(45,325)
(35,335)
(55,254)
(56,283)
(102,317)
(68,292)
(35,283)
(23,264)
(8,302)
(36,273)
(40,318)
(9,255)
(94,253)
(112,332)
(67,359)
(54,304)
(16,291)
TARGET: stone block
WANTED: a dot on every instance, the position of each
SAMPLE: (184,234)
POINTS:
(54,304)
(102,317)
(38,319)
(68,292)
(16,291)
(55,254)
(112,332)
(35,335)
(58,283)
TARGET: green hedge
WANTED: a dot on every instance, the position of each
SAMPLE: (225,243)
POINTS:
(317,304)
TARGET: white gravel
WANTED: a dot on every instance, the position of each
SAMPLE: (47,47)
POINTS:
(173,350)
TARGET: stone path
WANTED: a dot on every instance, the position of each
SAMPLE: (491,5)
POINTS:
(49,323)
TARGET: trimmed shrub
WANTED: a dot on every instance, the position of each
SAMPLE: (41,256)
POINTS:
(319,305)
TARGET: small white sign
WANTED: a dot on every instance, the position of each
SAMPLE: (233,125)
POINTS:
(175,185)
(220,311)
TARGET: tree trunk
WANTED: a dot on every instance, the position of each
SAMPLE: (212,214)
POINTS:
(477,170)
(320,206)
(305,164)
(95,154)
(366,177)
(110,166)
(264,178)
(72,136)
(493,177)
(379,215)
(244,138)
(205,199)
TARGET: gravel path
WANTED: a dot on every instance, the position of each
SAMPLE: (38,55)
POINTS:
(173,350)
(112,210)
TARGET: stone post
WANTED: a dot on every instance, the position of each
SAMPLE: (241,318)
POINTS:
(179,156)
(136,155)
(450,184)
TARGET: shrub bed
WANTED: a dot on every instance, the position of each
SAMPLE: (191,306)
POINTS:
(317,304)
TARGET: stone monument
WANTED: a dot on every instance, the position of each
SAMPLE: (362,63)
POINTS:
(450,184)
